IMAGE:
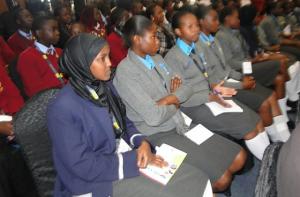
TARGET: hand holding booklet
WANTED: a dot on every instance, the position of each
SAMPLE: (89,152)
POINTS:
(218,109)
(172,156)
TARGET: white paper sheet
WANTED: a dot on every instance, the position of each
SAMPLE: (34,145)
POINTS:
(218,109)
(199,134)
(187,120)
(247,68)
(230,80)
(5,118)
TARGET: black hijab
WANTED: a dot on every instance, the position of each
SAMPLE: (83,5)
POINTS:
(75,62)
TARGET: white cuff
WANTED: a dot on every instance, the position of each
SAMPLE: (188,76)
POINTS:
(121,170)
(132,138)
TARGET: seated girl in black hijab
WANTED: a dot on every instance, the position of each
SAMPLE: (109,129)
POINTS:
(87,123)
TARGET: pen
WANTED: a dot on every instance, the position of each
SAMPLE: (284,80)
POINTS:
(219,94)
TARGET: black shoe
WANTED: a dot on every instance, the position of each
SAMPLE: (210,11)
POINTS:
(227,192)
(291,125)
(292,104)
(292,111)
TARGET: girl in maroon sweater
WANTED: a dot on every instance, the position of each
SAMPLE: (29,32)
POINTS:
(6,54)
(92,19)
(118,51)
(23,37)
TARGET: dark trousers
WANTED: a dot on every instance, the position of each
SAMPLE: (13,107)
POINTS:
(15,178)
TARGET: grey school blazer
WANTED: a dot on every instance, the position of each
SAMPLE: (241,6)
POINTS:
(176,59)
(268,31)
(234,47)
(220,70)
(140,88)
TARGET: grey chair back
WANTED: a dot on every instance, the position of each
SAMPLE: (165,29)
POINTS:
(30,127)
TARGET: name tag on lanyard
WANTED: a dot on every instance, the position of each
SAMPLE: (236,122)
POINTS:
(202,67)
(57,74)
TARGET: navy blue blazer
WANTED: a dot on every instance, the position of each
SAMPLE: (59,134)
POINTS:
(84,146)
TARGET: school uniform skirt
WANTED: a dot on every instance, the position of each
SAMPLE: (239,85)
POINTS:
(291,50)
(265,72)
(188,181)
(236,125)
(291,58)
(213,157)
(253,98)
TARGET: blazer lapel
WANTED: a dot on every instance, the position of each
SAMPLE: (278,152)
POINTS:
(204,48)
(164,71)
(220,52)
(185,60)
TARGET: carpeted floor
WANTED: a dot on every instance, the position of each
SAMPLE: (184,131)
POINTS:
(244,185)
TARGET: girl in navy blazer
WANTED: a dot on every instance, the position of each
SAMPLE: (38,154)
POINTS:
(87,121)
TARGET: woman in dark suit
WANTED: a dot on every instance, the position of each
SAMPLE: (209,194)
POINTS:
(87,123)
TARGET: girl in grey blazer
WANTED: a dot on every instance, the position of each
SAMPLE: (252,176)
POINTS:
(152,93)
(271,35)
(236,49)
(185,57)
(266,72)
(258,98)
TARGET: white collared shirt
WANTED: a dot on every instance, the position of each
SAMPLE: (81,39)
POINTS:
(26,35)
(43,48)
